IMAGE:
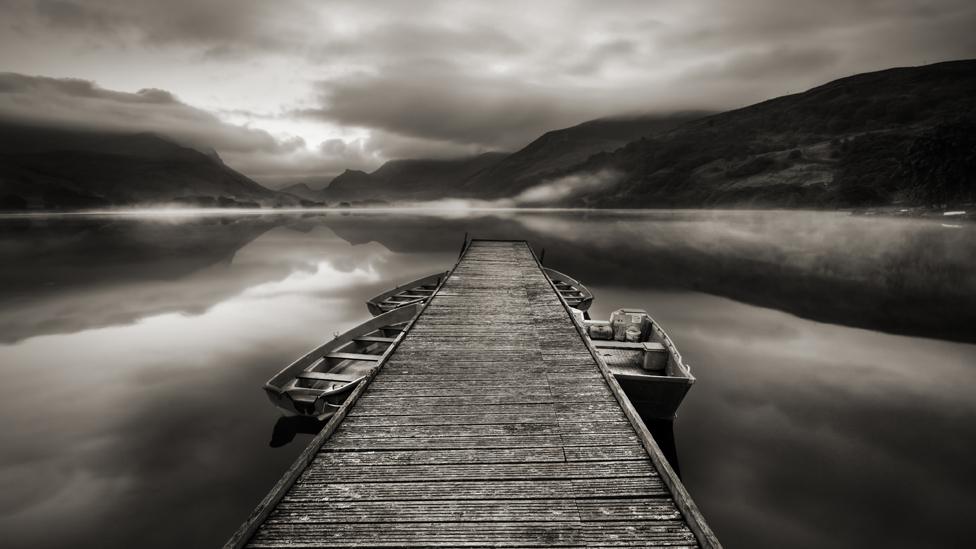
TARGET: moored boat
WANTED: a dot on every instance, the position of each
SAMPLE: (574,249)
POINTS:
(643,359)
(318,383)
(573,291)
(411,293)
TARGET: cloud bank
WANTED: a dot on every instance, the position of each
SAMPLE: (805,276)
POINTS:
(286,82)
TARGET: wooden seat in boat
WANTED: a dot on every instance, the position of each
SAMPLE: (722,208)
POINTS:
(375,339)
(303,394)
(353,356)
(320,376)
(638,346)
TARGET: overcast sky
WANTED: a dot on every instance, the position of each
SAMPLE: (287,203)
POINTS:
(296,89)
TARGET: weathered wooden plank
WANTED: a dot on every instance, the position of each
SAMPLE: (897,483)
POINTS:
(404,401)
(469,355)
(540,368)
(417,388)
(319,472)
(484,430)
(328,457)
(387,407)
(480,490)
(440,431)
(590,510)
(464,390)
(603,453)
(478,534)
(473,377)
(399,511)
(482,419)
(344,441)
(642,509)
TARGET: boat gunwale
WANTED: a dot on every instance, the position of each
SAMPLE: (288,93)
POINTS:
(679,361)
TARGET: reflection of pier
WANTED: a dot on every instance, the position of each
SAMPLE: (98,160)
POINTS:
(492,422)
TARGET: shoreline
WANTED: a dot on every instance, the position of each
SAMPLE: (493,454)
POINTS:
(966,214)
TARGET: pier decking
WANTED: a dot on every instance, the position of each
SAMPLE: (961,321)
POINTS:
(489,423)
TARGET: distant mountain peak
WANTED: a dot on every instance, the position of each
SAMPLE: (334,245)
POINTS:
(303,191)
(297,187)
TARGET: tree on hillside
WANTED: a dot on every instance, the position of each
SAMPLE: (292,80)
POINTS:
(941,164)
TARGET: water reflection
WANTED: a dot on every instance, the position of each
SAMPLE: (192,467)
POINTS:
(286,428)
(663,432)
(832,388)
(899,275)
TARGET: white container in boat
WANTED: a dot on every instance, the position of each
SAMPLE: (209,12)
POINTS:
(655,357)
(632,335)
(599,329)
(622,319)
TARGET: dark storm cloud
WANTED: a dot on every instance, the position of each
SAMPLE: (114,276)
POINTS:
(439,102)
(220,26)
(82,104)
(748,22)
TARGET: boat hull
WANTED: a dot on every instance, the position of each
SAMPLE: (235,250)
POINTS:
(656,397)
(322,409)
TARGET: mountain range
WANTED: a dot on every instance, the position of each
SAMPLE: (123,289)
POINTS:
(871,139)
(898,136)
(411,180)
(493,175)
(58,168)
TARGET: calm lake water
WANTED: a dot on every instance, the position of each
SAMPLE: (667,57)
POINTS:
(835,403)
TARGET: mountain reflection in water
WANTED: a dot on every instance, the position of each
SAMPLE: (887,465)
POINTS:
(833,353)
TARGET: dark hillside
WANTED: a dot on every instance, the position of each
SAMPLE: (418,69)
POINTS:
(841,144)
(48,168)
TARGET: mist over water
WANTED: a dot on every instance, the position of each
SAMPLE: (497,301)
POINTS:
(547,192)
(834,356)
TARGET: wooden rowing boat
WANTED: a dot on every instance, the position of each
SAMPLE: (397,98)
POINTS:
(573,291)
(411,293)
(419,291)
(318,383)
(646,362)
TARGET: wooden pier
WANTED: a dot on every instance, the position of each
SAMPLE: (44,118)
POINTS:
(490,423)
